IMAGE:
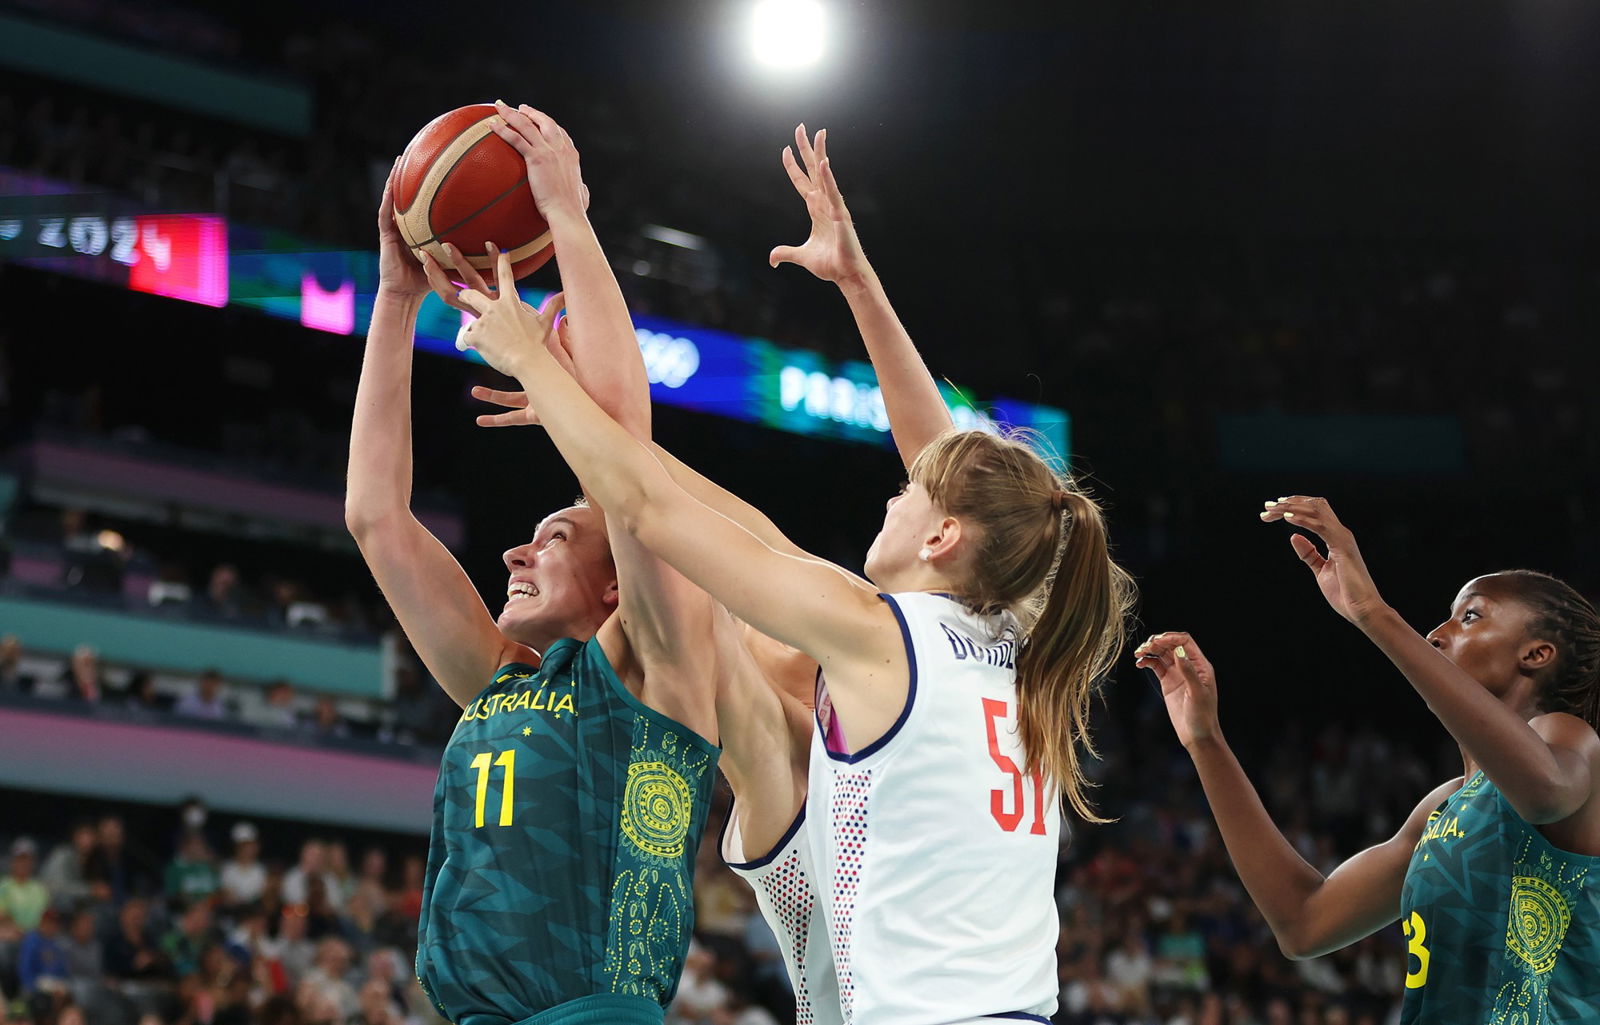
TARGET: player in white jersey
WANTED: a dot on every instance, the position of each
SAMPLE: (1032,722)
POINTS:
(985,526)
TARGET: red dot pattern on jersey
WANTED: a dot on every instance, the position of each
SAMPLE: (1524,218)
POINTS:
(793,897)
(848,820)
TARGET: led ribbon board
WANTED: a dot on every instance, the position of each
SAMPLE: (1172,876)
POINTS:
(202,258)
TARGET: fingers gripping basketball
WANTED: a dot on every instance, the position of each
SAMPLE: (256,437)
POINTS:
(459,183)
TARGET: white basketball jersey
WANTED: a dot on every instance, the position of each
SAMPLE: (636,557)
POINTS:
(786,892)
(935,855)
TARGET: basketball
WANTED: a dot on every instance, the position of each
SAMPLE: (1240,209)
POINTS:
(460,183)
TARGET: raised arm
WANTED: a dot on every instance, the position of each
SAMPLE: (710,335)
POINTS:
(1542,768)
(802,601)
(917,413)
(1309,915)
(436,604)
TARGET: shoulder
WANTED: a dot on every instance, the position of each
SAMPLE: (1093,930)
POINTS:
(1432,802)
(1564,730)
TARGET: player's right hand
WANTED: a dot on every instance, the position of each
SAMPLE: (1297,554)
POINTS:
(833,251)
(399,274)
(1188,684)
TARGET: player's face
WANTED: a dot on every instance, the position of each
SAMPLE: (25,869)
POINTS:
(562,583)
(1486,634)
(908,520)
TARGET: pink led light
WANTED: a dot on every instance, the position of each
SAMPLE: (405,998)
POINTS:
(321,310)
(182,256)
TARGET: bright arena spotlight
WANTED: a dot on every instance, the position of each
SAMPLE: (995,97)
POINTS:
(787,34)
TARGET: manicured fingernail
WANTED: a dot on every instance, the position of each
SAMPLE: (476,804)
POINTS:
(1262,515)
(1180,652)
(499,103)
(1271,504)
(1283,498)
(1288,516)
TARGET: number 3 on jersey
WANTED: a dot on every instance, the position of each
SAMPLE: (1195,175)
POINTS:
(1416,933)
(995,712)
(507,761)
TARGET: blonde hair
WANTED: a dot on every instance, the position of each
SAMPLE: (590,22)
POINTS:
(1041,552)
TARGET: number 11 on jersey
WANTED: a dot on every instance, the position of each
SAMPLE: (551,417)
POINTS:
(507,761)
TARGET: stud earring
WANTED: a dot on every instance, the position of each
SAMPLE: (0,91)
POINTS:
(925,555)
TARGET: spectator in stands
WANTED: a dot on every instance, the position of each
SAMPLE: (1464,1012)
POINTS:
(329,974)
(277,712)
(12,678)
(225,595)
(110,865)
(189,938)
(85,957)
(82,677)
(326,721)
(23,898)
(143,695)
(42,961)
(378,1007)
(66,870)
(244,878)
(130,953)
(699,992)
(313,863)
(191,876)
(291,948)
(205,701)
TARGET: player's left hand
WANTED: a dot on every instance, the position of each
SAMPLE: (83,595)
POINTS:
(550,156)
(517,412)
(1341,573)
(507,330)
(833,251)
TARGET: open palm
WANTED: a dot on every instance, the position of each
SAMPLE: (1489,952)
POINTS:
(832,252)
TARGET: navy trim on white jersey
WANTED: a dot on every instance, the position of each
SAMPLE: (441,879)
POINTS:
(765,859)
(1020,1016)
(911,695)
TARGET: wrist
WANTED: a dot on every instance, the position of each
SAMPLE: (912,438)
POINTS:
(1375,617)
(1205,746)
(858,282)
(396,297)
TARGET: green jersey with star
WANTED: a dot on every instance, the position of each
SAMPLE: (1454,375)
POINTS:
(1501,927)
(565,825)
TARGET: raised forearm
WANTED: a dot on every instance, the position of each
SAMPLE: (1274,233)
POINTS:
(917,413)
(1279,880)
(613,467)
(717,498)
(1519,761)
(379,477)
(605,349)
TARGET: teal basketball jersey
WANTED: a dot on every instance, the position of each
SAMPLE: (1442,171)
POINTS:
(1501,927)
(566,821)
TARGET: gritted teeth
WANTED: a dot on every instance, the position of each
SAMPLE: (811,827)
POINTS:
(521,589)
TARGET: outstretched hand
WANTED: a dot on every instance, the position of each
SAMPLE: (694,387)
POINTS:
(1341,573)
(517,411)
(507,330)
(1188,684)
(832,252)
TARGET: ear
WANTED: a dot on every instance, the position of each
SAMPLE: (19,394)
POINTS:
(612,596)
(942,542)
(1537,655)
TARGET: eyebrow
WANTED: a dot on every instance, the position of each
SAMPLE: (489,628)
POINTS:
(552,521)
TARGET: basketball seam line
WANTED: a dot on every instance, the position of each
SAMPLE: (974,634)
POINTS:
(445,231)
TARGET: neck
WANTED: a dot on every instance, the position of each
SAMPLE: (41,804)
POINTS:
(921,577)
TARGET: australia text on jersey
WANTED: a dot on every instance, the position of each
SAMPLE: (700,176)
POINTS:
(1441,828)
(1001,653)
(541,700)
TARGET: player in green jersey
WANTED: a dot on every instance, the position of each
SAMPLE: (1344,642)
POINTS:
(1495,877)
(573,792)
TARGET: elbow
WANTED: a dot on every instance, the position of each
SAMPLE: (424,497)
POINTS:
(363,521)
(1295,945)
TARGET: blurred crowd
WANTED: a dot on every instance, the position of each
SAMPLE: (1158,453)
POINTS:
(95,928)
(420,714)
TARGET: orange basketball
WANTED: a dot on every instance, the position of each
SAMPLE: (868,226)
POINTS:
(458,182)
